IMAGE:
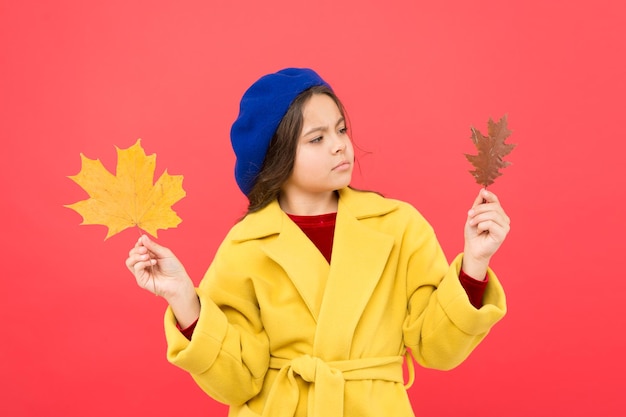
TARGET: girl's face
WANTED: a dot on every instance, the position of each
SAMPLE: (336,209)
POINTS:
(324,156)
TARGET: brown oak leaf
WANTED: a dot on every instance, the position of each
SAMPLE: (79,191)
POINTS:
(128,198)
(491,150)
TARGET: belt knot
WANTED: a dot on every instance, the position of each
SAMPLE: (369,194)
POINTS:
(309,367)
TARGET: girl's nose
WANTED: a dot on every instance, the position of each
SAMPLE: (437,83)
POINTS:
(339,146)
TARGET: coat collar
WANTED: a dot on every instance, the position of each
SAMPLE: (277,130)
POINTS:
(335,294)
(271,219)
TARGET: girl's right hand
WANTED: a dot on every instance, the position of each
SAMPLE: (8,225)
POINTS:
(157,270)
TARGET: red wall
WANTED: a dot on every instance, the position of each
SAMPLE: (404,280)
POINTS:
(80,339)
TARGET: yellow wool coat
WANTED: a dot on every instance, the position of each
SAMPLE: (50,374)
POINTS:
(283,333)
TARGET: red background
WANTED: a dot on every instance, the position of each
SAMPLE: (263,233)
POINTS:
(79,338)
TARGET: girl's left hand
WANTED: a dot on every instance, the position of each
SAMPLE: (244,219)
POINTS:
(485,229)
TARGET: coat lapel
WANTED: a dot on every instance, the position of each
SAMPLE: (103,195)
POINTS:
(359,257)
(303,263)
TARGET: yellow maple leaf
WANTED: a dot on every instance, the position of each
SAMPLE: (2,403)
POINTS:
(128,198)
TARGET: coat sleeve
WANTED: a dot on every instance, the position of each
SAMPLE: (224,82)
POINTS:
(228,354)
(442,327)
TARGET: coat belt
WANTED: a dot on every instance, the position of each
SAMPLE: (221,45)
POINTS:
(326,382)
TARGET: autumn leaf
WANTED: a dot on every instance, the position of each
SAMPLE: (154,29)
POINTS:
(128,198)
(491,150)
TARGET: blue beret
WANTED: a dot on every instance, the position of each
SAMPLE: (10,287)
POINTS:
(262,108)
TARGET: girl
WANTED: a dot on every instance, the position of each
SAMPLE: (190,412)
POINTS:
(319,293)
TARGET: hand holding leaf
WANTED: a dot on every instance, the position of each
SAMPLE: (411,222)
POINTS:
(487,224)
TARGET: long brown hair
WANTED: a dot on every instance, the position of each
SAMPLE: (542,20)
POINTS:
(281,153)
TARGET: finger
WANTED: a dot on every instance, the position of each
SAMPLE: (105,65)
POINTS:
(486,226)
(482,212)
(138,250)
(488,196)
(158,250)
(491,227)
(139,242)
(143,265)
(129,263)
(479,198)
(497,228)
(486,206)
(496,217)
(493,215)
(136,259)
(142,272)
(483,227)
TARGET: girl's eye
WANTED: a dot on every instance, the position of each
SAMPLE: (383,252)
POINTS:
(343,130)
(317,139)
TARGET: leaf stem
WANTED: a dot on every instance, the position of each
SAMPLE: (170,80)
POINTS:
(151,269)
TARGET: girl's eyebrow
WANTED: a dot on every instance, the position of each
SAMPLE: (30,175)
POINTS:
(323,128)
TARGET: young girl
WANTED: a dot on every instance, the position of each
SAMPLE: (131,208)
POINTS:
(319,293)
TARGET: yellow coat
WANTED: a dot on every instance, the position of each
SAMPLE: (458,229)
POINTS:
(282,333)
